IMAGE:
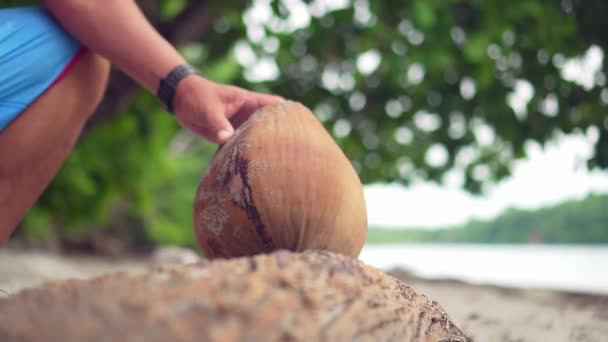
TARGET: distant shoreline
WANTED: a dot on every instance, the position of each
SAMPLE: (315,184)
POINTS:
(564,268)
(489,244)
(406,276)
(548,225)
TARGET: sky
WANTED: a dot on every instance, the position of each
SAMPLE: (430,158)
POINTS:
(549,176)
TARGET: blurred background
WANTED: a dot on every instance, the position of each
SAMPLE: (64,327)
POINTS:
(470,122)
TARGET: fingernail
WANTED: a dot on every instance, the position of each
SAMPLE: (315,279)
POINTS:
(223,135)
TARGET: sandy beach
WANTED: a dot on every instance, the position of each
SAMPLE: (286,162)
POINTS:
(490,313)
(486,313)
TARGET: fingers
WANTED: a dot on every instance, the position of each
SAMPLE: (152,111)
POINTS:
(224,134)
(213,110)
(237,119)
(215,135)
(246,110)
(212,123)
(219,128)
(241,96)
(245,103)
(264,99)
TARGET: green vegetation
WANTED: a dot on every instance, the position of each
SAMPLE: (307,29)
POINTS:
(133,178)
(395,82)
(584,221)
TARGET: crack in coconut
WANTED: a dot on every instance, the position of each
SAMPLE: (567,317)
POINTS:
(229,153)
(214,215)
(246,203)
(234,174)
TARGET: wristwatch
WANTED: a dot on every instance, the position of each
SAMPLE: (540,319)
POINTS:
(167,86)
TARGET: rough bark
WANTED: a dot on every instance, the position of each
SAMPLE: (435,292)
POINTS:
(310,296)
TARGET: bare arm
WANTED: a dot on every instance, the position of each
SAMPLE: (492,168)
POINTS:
(118,30)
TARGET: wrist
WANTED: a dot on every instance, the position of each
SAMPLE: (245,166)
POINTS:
(167,88)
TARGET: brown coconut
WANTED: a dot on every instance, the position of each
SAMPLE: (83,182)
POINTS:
(280,182)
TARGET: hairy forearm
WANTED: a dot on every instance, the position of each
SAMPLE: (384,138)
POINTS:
(118,30)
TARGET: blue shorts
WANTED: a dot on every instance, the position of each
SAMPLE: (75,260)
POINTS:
(34,52)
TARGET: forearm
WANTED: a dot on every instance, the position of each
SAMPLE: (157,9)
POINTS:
(118,30)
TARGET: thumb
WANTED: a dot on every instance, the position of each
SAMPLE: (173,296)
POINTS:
(224,133)
(219,129)
(213,124)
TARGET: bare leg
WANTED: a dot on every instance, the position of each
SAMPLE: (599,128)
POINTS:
(33,147)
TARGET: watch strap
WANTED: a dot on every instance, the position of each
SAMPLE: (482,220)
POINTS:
(167,86)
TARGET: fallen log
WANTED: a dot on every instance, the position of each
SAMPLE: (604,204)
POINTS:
(283,296)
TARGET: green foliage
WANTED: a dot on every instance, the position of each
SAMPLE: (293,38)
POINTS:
(389,236)
(581,222)
(127,174)
(386,119)
(13,3)
(429,51)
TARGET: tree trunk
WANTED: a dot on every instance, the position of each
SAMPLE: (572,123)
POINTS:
(284,296)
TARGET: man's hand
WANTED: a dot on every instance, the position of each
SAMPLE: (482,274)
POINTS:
(208,108)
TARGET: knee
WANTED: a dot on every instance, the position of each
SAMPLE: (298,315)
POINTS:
(92,76)
(99,74)
(96,78)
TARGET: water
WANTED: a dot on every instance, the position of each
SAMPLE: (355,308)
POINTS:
(561,267)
